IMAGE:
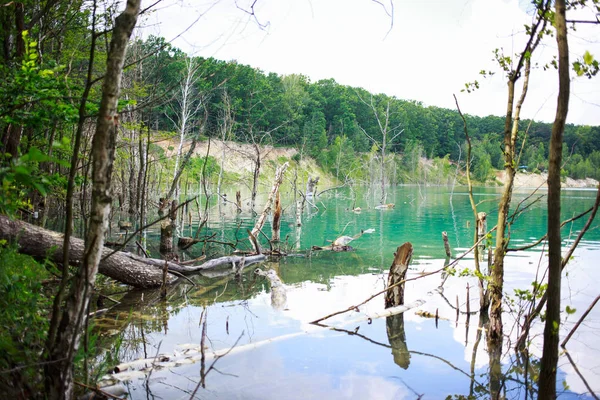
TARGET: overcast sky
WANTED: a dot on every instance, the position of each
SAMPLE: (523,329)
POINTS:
(433,48)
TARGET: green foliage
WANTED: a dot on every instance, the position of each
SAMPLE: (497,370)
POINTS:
(23,176)
(586,66)
(24,309)
(196,165)
(34,94)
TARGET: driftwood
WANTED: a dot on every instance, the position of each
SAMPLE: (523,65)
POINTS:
(332,248)
(395,295)
(233,261)
(121,266)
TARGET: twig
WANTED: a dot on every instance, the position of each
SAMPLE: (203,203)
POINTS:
(137,243)
(564,343)
(541,239)
(213,364)
(351,308)
(521,341)
(179,274)
(581,376)
(153,361)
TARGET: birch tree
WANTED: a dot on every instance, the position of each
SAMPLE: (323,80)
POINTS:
(188,104)
(62,348)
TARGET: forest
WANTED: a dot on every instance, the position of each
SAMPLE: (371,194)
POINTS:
(101,131)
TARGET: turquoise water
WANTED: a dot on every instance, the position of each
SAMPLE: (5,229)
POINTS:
(403,357)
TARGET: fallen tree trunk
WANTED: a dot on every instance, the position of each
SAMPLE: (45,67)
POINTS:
(234,261)
(41,243)
(121,266)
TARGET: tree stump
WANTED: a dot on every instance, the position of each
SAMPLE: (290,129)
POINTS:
(395,295)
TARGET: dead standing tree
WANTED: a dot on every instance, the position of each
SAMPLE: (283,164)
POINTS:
(226,123)
(383,122)
(189,105)
(267,209)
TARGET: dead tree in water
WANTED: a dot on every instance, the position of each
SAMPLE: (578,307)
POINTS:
(395,296)
(166,229)
(263,216)
(275,236)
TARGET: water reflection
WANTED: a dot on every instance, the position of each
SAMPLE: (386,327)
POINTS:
(397,338)
(355,361)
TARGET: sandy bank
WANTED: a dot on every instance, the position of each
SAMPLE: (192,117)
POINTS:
(531,180)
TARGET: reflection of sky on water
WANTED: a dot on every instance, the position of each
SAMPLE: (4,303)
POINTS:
(336,365)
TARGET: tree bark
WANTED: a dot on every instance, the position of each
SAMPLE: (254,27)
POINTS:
(41,243)
(395,296)
(547,383)
(61,350)
(263,216)
(275,236)
(167,226)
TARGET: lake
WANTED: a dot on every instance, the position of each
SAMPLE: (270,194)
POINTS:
(278,354)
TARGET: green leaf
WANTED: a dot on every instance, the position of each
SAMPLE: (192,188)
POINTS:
(570,310)
(588,59)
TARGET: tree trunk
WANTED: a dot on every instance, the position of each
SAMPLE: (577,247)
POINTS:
(61,350)
(167,226)
(263,216)
(275,237)
(547,383)
(496,285)
(41,243)
(395,296)
(255,176)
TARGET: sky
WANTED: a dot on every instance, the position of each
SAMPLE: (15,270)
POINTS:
(426,50)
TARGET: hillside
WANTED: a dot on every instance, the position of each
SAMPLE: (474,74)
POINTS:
(239,160)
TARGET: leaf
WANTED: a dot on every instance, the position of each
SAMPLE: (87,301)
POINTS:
(588,59)
(36,154)
(570,310)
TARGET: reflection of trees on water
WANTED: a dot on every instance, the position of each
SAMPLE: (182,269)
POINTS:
(397,338)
